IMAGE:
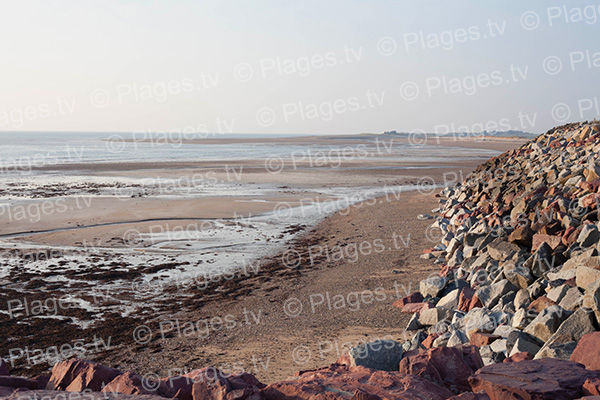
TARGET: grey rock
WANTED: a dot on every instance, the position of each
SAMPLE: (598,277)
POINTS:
(504,331)
(432,286)
(586,276)
(457,337)
(433,316)
(383,355)
(501,250)
(556,294)
(519,341)
(522,299)
(449,301)
(523,318)
(547,322)
(518,274)
(479,320)
(499,346)
(414,324)
(572,300)
(580,323)
(588,236)
(442,340)
(491,294)
(537,288)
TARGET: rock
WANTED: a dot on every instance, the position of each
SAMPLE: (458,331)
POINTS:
(518,275)
(18,383)
(470,396)
(522,318)
(416,307)
(211,383)
(518,342)
(56,395)
(591,387)
(522,236)
(442,340)
(77,375)
(410,299)
(457,337)
(552,241)
(522,299)
(433,316)
(383,355)
(482,339)
(572,300)
(537,288)
(339,382)
(501,250)
(131,383)
(3,368)
(413,324)
(585,276)
(503,331)
(580,323)
(534,379)
(499,346)
(479,320)
(517,357)
(489,295)
(448,366)
(432,286)
(450,301)
(467,300)
(586,351)
(540,304)
(546,323)
(556,294)
(588,236)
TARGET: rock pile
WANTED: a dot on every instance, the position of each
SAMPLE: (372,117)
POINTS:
(519,253)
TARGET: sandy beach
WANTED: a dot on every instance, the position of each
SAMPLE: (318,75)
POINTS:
(123,250)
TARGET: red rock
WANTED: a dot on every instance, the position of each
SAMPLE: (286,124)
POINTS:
(3,368)
(344,359)
(77,375)
(540,304)
(212,384)
(591,387)
(551,240)
(587,351)
(16,382)
(417,307)
(590,200)
(447,366)
(521,356)
(471,396)
(522,235)
(410,299)
(428,342)
(340,382)
(466,299)
(546,379)
(482,339)
(591,186)
(131,383)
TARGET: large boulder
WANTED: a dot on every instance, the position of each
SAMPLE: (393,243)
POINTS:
(587,351)
(448,366)
(547,322)
(580,323)
(546,379)
(212,384)
(341,382)
(384,355)
(77,375)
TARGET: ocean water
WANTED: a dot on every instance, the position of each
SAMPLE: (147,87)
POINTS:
(19,152)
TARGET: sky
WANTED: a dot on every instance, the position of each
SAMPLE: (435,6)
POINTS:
(308,67)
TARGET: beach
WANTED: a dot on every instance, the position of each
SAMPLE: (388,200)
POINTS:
(267,265)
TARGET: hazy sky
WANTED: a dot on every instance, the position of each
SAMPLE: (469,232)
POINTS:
(298,66)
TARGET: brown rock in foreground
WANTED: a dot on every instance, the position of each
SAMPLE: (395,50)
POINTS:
(77,375)
(447,366)
(340,382)
(545,379)
(587,351)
